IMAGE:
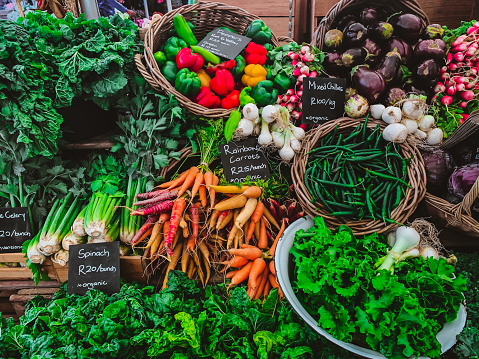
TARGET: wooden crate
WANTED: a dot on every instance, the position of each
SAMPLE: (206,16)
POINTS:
(15,273)
(439,12)
(131,270)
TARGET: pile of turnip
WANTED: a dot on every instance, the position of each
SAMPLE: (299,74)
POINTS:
(408,119)
(384,56)
(273,127)
(458,79)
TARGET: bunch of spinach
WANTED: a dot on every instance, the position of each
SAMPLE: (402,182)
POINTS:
(182,321)
(398,314)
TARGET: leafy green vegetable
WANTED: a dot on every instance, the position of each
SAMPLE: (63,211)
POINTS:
(397,314)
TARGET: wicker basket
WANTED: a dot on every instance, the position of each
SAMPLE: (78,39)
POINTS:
(416,174)
(205,16)
(351,6)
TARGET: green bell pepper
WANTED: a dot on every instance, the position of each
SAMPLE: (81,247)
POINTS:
(187,82)
(238,69)
(245,97)
(264,93)
(228,29)
(170,70)
(269,75)
(172,46)
(189,23)
(232,124)
(282,82)
(183,30)
(258,32)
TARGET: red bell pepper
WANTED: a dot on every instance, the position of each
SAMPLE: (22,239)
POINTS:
(207,98)
(255,54)
(228,65)
(223,83)
(231,100)
(185,59)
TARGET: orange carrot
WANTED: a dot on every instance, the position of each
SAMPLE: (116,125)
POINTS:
(270,217)
(202,193)
(176,214)
(232,203)
(222,216)
(174,260)
(191,243)
(253,192)
(249,253)
(196,186)
(146,234)
(164,217)
(214,218)
(257,269)
(250,232)
(256,230)
(247,246)
(195,220)
(267,287)
(189,180)
(263,237)
(231,274)
(274,284)
(236,262)
(215,180)
(262,284)
(258,212)
(175,182)
(241,276)
(185,232)
(208,179)
(273,247)
(272,269)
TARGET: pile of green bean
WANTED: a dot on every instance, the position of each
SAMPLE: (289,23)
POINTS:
(357,176)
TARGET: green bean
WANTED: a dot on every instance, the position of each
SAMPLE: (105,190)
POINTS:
(334,184)
(365,126)
(391,178)
(340,205)
(342,214)
(365,158)
(385,200)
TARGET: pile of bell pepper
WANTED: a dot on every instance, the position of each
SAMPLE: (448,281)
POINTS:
(204,79)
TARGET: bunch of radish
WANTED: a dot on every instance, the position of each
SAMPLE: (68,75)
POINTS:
(459,77)
(292,98)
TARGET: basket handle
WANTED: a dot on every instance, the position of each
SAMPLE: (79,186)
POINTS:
(465,206)
(286,39)
(144,72)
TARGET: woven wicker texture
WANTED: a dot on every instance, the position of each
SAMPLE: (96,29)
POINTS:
(354,6)
(416,176)
(205,16)
(165,171)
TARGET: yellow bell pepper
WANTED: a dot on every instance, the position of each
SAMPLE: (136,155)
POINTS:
(204,78)
(253,74)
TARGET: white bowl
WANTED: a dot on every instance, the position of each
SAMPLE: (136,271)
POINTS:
(284,266)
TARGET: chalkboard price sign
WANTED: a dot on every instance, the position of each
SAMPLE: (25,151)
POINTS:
(242,159)
(14,229)
(224,43)
(94,266)
(323,99)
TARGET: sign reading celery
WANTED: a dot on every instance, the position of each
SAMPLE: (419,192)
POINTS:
(14,229)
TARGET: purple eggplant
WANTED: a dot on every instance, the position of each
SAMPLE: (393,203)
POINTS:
(389,66)
(354,57)
(368,15)
(430,49)
(433,31)
(393,95)
(401,47)
(380,30)
(402,75)
(346,21)
(372,47)
(350,92)
(333,62)
(369,83)
(407,26)
(333,39)
(355,34)
(426,71)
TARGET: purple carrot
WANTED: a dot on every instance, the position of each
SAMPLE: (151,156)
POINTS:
(160,207)
(297,216)
(282,212)
(151,194)
(149,222)
(273,210)
(159,198)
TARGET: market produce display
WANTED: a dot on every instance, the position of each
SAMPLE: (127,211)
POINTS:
(394,303)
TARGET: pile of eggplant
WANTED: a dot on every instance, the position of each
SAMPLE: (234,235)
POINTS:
(383,57)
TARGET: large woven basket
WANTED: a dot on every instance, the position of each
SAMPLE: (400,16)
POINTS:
(344,7)
(205,16)
(416,175)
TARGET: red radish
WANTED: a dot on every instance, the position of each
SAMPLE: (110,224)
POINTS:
(449,58)
(290,92)
(301,87)
(460,87)
(465,116)
(296,71)
(290,107)
(295,115)
(470,51)
(295,62)
(300,105)
(467,95)
(463,104)
(460,79)
(283,104)
(459,56)
(472,30)
(470,85)
(294,99)
(313,74)
(468,63)
(286,98)
(301,77)
(447,100)
(280,98)
(459,40)
(459,48)
(305,70)
(149,223)
(473,71)
(476,24)
(304,126)
(443,69)
(451,90)
(299,93)
(439,88)
(305,49)
(459,64)
(161,207)
(163,196)
(446,76)
(292,55)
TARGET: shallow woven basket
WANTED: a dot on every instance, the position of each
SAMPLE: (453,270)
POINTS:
(205,16)
(350,6)
(416,175)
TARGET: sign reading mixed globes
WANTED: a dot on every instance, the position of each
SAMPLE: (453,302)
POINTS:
(14,229)
(323,99)
(94,266)
(242,159)
(224,43)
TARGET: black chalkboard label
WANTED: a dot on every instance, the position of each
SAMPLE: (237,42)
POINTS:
(14,229)
(323,99)
(242,159)
(94,266)
(224,43)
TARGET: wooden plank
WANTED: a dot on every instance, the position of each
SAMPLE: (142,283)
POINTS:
(265,8)
(7,293)
(38,291)
(17,273)
(12,257)
(24,284)
(131,269)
